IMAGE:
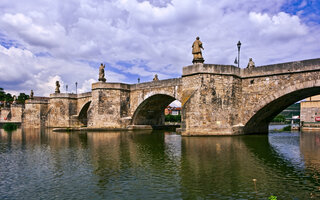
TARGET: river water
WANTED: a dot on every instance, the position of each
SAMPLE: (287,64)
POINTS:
(41,164)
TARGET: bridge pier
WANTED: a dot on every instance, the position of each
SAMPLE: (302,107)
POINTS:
(62,107)
(110,106)
(35,113)
(211,100)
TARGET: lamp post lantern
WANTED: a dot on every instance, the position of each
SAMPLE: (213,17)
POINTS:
(239,46)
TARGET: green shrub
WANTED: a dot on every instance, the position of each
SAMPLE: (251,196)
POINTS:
(9,127)
(173,118)
(286,128)
(273,197)
(279,118)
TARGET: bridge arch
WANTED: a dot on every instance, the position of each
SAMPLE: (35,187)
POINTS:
(151,110)
(83,113)
(257,120)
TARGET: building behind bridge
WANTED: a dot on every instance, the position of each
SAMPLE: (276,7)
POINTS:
(310,113)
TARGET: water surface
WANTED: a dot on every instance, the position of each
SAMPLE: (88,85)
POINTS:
(41,164)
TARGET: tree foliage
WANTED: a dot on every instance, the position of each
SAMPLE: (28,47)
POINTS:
(173,118)
(22,97)
(279,118)
(9,97)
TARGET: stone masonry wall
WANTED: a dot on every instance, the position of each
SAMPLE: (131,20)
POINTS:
(105,110)
(309,110)
(62,107)
(16,113)
(34,114)
(243,100)
(4,114)
(211,107)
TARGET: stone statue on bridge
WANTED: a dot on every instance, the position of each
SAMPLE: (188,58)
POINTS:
(101,73)
(14,100)
(251,64)
(196,51)
(57,87)
(31,94)
(155,77)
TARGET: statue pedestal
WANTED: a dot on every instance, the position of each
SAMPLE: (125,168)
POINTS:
(102,79)
(199,60)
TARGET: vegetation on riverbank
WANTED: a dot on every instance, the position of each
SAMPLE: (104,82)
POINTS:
(9,127)
(284,129)
(173,118)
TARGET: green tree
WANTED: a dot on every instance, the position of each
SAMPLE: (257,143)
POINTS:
(5,96)
(8,97)
(22,97)
(2,94)
(173,118)
(279,118)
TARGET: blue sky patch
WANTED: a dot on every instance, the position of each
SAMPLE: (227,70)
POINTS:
(7,43)
(307,10)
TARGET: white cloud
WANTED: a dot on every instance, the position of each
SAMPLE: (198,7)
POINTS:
(48,86)
(31,33)
(153,36)
(22,70)
(280,26)
(86,86)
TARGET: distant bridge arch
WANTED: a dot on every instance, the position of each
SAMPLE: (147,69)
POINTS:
(151,110)
(83,114)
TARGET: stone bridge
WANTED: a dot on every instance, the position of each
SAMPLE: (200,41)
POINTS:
(216,100)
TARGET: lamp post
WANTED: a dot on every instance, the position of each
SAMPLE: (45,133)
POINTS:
(67,88)
(76,87)
(239,46)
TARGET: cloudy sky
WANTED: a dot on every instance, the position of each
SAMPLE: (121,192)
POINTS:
(42,41)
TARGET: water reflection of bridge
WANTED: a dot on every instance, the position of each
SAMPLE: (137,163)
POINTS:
(197,167)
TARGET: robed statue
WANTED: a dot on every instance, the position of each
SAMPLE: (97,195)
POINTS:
(57,87)
(14,100)
(251,64)
(101,73)
(31,94)
(155,78)
(196,51)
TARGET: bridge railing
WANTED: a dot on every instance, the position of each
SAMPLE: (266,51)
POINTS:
(159,83)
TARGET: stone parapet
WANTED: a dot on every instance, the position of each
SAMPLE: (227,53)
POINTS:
(37,101)
(113,86)
(282,68)
(63,95)
(210,69)
(84,95)
(17,106)
(259,71)
(155,84)
(70,95)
